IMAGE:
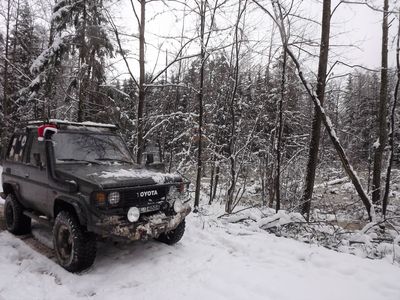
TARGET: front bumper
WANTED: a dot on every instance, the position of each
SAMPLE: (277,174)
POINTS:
(119,228)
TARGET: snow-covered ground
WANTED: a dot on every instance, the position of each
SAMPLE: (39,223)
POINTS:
(214,260)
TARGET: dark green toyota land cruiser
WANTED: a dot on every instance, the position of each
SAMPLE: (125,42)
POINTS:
(80,179)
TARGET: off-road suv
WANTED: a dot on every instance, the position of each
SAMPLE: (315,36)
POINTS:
(81,179)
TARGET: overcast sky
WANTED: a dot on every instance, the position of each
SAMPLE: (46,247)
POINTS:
(355,25)
(355,32)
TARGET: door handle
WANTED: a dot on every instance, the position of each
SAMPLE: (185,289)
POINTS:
(26,175)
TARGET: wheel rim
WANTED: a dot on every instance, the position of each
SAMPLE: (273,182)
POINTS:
(9,216)
(64,243)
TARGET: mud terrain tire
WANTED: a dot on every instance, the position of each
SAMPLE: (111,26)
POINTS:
(75,247)
(173,236)
(16,222)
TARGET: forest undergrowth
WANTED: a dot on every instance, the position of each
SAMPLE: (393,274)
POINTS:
(338,220)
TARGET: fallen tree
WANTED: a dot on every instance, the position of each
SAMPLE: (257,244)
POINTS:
(278,19)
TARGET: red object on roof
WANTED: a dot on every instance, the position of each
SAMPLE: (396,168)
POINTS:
(43,129)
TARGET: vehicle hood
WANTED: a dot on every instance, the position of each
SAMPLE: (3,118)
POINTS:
(115,175)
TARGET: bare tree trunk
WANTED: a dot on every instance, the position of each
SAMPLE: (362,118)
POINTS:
(262,178)
(177,91)
(5,84)
(200,103)
(216,181)
(382,138)
(212,181)
(16,32)
(385,198)
(232,140)
(142,74)
(369,169)
(270,167)
(82,79)
(81,107)
(317,119)
(279,136)
(268,179)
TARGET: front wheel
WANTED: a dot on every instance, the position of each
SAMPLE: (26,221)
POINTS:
(173,236)
(16,222)
(75,248)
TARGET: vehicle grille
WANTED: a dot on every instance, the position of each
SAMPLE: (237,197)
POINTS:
(143,197)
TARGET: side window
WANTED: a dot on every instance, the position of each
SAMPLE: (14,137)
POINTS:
(37,152)
(16,149)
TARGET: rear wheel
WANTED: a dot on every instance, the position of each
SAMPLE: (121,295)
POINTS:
(173,236)
(16,222)
(75,247)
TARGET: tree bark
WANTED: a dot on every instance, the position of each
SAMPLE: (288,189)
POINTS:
(279,137)
(216,181)
(16,32)
(232,139)
(385,198)
(317,119)
(200,103)
(210,200)
(382,130)
(82,60)
(142,74)
(5,84)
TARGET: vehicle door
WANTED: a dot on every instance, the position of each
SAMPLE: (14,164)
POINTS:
(36,178)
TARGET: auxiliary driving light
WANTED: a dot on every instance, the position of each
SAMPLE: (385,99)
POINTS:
(113,198)
(178,206)
(133,214)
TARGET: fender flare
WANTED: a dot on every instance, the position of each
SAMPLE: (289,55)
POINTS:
(15,189)
(80,210)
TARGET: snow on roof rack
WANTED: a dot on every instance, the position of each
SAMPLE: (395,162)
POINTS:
(66,122)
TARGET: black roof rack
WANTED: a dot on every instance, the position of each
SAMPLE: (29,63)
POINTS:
(66,122)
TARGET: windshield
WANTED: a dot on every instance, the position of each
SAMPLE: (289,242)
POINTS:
(89,147)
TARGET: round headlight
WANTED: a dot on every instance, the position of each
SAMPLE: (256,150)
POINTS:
(178,206)
(133,214)
(113,198)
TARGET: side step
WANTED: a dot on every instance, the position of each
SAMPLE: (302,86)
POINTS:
(37,218)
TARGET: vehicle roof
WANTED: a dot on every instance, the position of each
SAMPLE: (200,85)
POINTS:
(63,123)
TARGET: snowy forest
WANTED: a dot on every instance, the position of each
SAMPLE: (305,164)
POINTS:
(263,105)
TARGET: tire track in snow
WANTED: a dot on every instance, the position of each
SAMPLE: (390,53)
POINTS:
(29,239)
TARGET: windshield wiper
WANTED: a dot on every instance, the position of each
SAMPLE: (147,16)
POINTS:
(114,159)
(79,160)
